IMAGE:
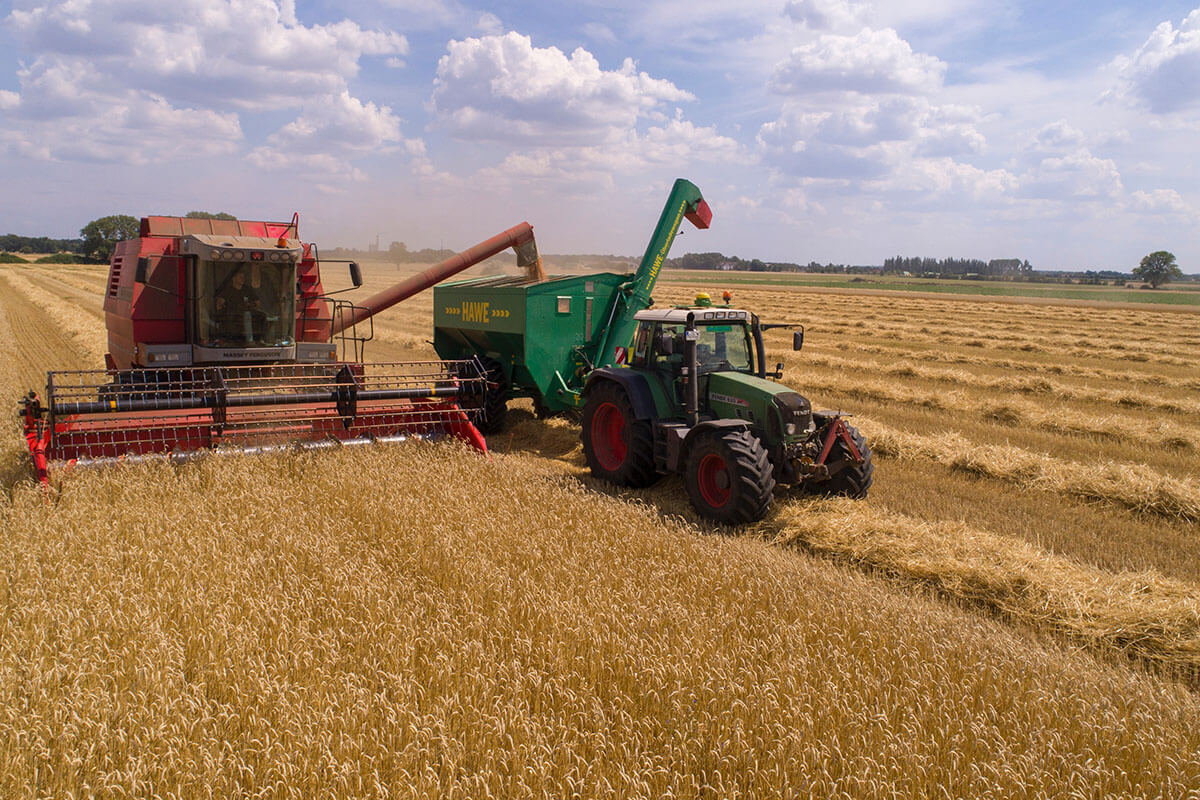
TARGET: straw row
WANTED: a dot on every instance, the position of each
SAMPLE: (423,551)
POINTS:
(1134,486)
(1139,614)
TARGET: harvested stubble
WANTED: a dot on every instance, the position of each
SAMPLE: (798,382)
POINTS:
(86,329)
(1072,370)
(1007,384)
(1010,411)
(1134,486)
(484,628)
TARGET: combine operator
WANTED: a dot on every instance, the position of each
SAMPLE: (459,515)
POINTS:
(241,319)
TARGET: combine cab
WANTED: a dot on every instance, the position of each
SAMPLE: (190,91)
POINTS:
(221,335)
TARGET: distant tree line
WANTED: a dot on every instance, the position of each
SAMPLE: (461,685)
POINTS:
(957,266)
(720,261)
(12,243)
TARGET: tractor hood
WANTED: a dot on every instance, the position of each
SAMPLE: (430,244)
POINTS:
(765,404)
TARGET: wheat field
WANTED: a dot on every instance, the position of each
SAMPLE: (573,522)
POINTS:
(1013,612)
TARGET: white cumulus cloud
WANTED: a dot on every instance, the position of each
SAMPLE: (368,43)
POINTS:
(503,88)
(824,14)
(151,80)
(1164,74)
(329,132)
(870,62)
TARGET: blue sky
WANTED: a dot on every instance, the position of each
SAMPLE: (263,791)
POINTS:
(834,130)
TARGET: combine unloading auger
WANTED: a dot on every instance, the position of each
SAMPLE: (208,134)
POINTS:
(195,366)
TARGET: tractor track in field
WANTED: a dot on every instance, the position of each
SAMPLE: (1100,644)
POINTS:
(39,345)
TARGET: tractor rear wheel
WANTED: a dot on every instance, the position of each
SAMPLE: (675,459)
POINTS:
(853,480)
(729,477)
(495,396)
(618,446)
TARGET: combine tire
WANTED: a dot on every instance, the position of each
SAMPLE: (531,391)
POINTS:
(729,477)
(495,397)
(853,480)
(618,446)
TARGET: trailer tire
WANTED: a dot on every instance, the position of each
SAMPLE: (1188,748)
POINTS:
(853,480)
(618,446)
(729,477)
(494,407)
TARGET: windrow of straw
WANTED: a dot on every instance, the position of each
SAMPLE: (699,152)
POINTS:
(1008,384)
(1069,369)
(1010,411)
(1134,486)
(1143,615)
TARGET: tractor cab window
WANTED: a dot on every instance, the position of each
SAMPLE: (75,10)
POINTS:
(723,347)
(641,345)
(672,361)
(243,304)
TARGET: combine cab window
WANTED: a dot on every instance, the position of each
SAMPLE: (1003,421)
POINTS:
(239,304)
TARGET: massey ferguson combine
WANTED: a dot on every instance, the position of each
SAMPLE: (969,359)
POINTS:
(221,336)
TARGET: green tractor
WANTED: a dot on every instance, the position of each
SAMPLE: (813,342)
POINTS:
(694,399)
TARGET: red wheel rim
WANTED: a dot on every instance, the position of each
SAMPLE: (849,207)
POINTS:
(608,436)
(715,480)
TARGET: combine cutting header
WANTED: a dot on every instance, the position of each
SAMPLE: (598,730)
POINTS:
(221,334)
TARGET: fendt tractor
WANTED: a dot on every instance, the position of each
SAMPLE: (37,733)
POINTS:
(690,394)
(221,336)
(695,399)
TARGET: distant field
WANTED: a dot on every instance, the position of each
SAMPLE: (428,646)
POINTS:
(1185,295)
(1013,612)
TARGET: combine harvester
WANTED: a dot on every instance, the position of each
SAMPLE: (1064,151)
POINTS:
(221,336)
(680,390)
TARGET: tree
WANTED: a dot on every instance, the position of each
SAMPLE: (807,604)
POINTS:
(209,215)
(100,236)
(1157,268)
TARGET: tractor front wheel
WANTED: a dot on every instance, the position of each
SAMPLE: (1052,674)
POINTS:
(618,446)
(729,477)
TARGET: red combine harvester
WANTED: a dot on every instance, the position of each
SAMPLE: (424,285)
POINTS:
(221,336)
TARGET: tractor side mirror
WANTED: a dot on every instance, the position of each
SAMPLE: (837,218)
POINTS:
(665,344)
(355,274)
(778,370)
(798,340)
(142,271)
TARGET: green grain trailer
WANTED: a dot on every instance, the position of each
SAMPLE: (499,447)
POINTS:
(540,339)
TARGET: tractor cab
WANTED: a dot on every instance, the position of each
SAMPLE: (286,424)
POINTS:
(242,292)
(725,340)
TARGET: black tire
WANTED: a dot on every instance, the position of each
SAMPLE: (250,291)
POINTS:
(618,446)
(494,406)
(729,477)
(853,480)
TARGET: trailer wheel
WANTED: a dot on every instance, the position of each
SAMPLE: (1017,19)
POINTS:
(618,446)
(853,480)
(729,477)
(495,396)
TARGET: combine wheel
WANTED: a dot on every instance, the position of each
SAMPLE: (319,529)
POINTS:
(617,445)
(729,477)
(854,479)
(495,398)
